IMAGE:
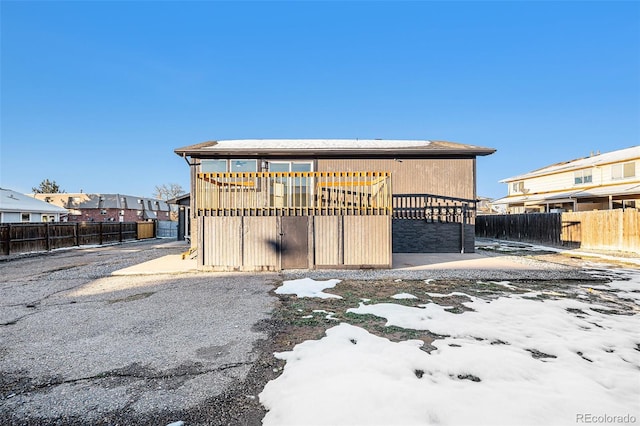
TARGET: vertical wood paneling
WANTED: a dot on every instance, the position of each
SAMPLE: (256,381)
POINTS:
(223,241)
(261,240)
(617,230)
(449,177)
(367,240)
(327,240)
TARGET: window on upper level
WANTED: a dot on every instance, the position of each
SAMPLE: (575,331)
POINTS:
(222,166)
(213,166)
(582,176)
(517,186)
(623,170)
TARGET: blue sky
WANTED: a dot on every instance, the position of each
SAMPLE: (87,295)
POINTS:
(97,95)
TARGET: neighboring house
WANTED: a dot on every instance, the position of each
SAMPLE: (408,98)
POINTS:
(108,207)
(283,204)
(184,218)
(487,206)
(598,182)
(19,208)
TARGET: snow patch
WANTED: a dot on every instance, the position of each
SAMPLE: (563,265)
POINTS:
(403,296)
(510,360)
(306,287)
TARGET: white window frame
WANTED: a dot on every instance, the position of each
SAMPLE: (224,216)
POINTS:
(290,182)
(228,164)
(619,171)
(517,186)
(582,177)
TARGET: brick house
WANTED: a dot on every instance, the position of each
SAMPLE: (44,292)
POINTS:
(108,207)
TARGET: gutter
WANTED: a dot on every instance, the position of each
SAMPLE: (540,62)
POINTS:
(355,154)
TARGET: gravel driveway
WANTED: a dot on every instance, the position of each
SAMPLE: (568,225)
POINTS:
(79,346)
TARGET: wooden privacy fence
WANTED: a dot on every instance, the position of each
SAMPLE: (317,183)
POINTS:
(146,230)
(34,237)
(617,230)
(541,228)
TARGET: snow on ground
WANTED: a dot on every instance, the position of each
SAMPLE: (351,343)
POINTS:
(400,296)
(306,287)
(516,246)
(515,359)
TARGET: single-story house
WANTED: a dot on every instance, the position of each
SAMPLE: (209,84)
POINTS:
(20,208)
(606,181)
(272,204)
(85,207)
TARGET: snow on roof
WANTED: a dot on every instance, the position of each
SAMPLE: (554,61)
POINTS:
(12,201)
(330,147)
(321,144)
(582,163)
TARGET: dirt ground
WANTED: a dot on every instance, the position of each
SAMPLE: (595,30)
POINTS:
(300,319)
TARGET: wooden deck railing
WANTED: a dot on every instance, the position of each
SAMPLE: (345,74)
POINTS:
(293,194)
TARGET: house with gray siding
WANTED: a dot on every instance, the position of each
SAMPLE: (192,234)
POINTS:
(272,204)
(20,208)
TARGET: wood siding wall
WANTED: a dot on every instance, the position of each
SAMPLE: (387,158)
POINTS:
(252,243)
(448,177)
(366,241)
(220,242)
(328,237)
(260,242)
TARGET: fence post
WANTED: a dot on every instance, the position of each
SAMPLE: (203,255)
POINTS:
(47,235)
(100,232)
(77,234)
(8,239)
(120,231)
(462,221)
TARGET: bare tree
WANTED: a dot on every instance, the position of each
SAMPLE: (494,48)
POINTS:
(47,187)
(168,191)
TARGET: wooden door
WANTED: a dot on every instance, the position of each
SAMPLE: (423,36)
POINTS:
(295,242)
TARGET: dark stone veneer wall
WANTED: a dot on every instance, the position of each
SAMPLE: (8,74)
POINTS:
(419,236)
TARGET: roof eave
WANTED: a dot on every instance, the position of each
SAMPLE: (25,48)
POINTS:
(192,151)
